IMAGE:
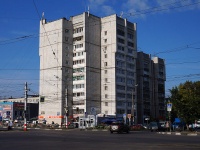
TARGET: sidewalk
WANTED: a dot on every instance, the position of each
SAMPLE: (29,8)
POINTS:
(187,133)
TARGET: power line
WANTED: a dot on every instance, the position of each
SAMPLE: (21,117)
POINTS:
(156,9)
(180,63)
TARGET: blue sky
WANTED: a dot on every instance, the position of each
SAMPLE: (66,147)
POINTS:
(167,29)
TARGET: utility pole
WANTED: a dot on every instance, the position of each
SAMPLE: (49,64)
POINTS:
(25,106)
(133,105)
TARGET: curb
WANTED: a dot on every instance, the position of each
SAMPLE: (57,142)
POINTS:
(93,130)
(178,133)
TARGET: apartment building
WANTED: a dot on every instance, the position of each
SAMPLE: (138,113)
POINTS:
(90,65)
(69,68)
(118,65)
(159,88)
(55,51)
(151,78)
(86,64)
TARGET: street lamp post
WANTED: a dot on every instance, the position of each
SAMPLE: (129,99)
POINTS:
(132,109)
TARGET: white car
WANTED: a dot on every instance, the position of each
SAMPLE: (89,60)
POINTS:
(193,125)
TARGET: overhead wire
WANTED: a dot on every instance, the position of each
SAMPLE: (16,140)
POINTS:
(27,37)
(156,9)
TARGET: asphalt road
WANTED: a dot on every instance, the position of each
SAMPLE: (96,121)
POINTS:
(93,140)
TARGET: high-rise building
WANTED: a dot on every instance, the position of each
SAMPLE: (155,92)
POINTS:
(118,65)
(55,51)
(88,66)
(159,78)
(151,78)
(70,67)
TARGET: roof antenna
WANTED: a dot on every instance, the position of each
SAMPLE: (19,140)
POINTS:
(43,19)
(121,14)
(88,11)
(42,15)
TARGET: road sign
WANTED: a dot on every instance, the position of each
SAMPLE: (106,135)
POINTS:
(169,106)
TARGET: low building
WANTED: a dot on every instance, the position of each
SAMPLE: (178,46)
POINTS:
(15,110)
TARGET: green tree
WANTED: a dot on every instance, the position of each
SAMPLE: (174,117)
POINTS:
(186,101)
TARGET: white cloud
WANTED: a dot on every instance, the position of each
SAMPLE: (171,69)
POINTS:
(97,2)
(136,4)
(108,10)
(142,7)
(99,6)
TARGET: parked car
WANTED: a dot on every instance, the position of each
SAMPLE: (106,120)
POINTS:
(178,126)
(119,127)
(194,126)
(163,126)
(6,125)
(153,126)
(137,127)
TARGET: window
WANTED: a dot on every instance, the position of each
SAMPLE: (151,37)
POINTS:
(42,112)
(120,40)
(121,48)
(76,78)
(130,88)
(78,46)
(130,59)
(78,86)
(105,71)
(120,55)
(130,44)
(130,66)
(121,79)
(81,61)
(66,39)
(42,98)
(105,55)
(78,38)
(130,51)
(105,64)
(106,88)
(67,47)
(119,103)
(130,81)
(77,30)
(120,32)
(121,95)
(78,70)
(105,40)
(106,95)
(105,32)
(106,103)
(120,71)
(80,94)
(66,70)
(120,87)
(129,73)
(120,63)
(130,36)
(66,30)
(106,79)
